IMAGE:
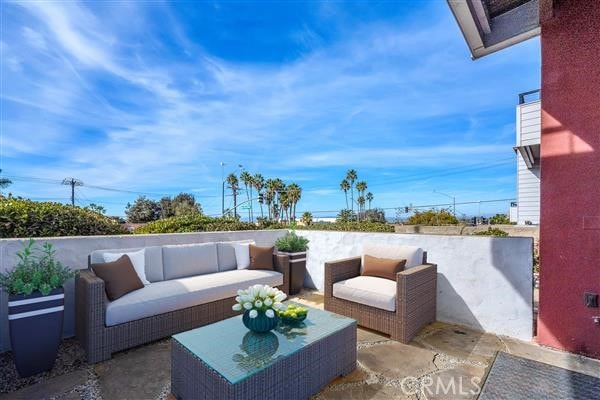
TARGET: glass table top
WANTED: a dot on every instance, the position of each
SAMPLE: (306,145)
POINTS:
(236,353)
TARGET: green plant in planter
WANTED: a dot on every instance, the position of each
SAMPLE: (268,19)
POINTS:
(292,243)
(37,270)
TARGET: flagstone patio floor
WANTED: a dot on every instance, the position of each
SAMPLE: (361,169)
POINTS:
(440,354)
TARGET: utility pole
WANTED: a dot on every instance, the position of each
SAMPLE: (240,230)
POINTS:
(72,182)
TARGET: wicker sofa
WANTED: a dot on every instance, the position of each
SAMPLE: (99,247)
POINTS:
(171,303)
(399,309)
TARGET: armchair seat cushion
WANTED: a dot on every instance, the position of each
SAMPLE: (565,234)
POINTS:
(368,290)
(176,294)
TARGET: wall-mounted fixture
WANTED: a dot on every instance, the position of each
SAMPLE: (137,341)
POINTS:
(590,299)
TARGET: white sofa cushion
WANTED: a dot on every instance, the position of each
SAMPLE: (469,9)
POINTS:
(226,254)
(242,254)
(367,290)
(180,261)
(152,256)
(412,254)
(138,260)
(176,294)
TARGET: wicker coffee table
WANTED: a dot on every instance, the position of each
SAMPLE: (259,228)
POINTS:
(226,361)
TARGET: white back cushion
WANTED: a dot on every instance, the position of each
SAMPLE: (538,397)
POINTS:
(226,254)
(412,254)
(138,259)
(184,260)
(153,260)
(242,254)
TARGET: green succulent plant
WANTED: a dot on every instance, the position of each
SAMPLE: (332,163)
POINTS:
(292,243)
(37,270)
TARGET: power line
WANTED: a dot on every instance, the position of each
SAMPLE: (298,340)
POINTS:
(421,206)
(111,189)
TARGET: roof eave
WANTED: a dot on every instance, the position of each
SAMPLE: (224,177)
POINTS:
(471,27)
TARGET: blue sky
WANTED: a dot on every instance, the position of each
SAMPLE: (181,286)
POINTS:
(151,97)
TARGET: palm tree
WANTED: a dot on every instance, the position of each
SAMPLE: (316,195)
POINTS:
(361,204)
(259,184)
(369,199)
(272,186)
(345,186)
(360,188)
(233,184)
(282,198)
(307,218)
(351,177)
(294,193)
(246,179)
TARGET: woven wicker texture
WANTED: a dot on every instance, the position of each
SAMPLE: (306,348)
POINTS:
(295,376)
(415,299)
(100,341)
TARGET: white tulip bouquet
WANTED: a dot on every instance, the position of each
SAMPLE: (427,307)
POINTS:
(260,298)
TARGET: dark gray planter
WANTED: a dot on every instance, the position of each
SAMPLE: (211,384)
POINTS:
(35,323)
(297,270)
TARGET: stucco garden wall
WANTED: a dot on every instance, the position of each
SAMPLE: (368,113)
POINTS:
(483,282)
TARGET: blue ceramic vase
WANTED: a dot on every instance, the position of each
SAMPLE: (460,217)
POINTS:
(261,323)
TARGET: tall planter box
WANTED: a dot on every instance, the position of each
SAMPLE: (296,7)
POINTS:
(35,323)
(297,271)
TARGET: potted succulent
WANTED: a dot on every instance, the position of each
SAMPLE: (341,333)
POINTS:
(294,247)
(35,307)
(260,304)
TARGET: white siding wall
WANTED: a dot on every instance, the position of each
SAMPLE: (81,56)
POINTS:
(528,193)
(528,180)
(528,123)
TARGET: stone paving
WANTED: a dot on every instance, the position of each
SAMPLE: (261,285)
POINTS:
(443,362)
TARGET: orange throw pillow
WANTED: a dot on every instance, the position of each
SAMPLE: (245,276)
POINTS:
(119,277)
(382,267)
(261,257)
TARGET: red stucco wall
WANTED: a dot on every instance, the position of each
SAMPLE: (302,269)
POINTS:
(570,176)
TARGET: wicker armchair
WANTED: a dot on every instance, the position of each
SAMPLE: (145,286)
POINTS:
(415,299)
(100,341)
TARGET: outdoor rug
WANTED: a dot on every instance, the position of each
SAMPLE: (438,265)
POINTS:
(514,378)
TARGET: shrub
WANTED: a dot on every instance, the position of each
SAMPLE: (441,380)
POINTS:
(266,223)
(143,209)
(373,215)
(291,243)
(500,219)
(345,215)
(432,218)
(37,270)
(492,232)
(182,204)
(352,226)
(536,257)
(27,218)
(194,223)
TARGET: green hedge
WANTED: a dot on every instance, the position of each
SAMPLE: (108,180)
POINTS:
(194,223)
(21,218)
(349,227)
(492,232)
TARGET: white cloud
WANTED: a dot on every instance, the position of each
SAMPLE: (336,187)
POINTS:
(395,157)
(116,113)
